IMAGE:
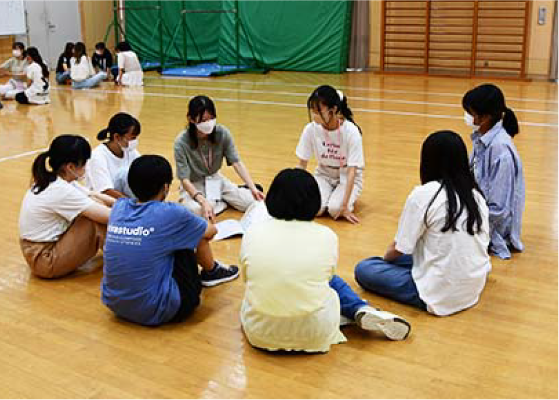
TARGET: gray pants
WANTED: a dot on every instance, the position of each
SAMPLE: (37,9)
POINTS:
(238,198)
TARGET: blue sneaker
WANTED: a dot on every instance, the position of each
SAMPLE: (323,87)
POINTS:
(220,273)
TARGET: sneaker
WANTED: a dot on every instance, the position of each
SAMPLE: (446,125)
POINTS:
(391,325)
(220,273)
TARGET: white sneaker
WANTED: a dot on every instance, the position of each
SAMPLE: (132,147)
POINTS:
(391,325)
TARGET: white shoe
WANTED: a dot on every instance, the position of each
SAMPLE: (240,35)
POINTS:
(391,325)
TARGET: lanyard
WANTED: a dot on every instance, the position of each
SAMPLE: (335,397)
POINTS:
(207,162)
(331,144)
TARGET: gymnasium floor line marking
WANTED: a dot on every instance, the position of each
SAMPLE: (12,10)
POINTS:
(460,95)
(451,105)
(262,102)
(27,153)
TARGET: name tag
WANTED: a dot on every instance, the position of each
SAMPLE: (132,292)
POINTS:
(213,188)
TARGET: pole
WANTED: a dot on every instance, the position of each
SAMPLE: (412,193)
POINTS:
(185,44)
(115,20)
(161,53)
(237,17)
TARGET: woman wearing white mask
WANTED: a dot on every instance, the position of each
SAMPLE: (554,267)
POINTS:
(199,153)
(107,171)
(16,66)
(335,141)
(62,224)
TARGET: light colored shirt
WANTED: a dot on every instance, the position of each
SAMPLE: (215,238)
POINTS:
(16,67)
(288,303)
(498,172)
(80,71)
(45,216)
(334,150)
(128,60)
(38,90)
(192,163)
(449,268)
(103,168)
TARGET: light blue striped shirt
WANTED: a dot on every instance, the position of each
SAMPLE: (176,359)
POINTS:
(498,172)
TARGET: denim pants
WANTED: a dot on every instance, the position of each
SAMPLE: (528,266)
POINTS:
(350,301)
(90,82)
(390,279)
(62,77)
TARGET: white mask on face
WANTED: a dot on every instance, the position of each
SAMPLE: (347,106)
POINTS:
(99,52)
(469,119)
(16,53)
(206,127)
(132,145)
(79,178)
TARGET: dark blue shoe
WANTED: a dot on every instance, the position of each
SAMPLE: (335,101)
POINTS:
(219,274)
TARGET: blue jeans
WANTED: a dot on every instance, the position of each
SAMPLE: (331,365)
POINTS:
(350,301)
(90,82)
(392,280)
(62,77)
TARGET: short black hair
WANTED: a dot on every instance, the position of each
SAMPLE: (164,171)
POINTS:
(100,46)
(147,176)
(293,195)
(123,46)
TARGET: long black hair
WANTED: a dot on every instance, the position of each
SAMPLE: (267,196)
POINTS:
(120,124)
(36,57)
(69,50)
(123,46)
(488,99)
(331,98)
(79,51)
(64,149)
(196,108)
(444,158)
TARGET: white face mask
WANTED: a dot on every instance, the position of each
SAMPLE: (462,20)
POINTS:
(132,145)
(79,178)
(16,53)
(469,119)
(206,127)
(99,52)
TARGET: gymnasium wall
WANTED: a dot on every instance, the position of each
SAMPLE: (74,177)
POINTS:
(539,39)
(95,18)
(5,47)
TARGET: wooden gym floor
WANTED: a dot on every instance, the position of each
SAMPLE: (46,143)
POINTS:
(58,340)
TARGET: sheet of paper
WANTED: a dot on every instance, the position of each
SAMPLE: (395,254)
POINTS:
(227,229)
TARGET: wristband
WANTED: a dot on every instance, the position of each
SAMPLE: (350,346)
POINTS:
(197,193)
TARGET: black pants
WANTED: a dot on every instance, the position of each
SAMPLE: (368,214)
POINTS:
(21,98)
(185,274)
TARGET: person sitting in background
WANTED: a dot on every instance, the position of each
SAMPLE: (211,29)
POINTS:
(102,59)
(63,65)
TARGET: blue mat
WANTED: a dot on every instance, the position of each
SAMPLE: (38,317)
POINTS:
(203,70)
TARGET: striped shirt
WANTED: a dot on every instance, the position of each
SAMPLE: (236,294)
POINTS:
(498,172)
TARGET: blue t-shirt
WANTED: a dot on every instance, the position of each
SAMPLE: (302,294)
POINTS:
(139,258)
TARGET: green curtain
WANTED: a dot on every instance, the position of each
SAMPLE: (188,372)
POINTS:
(282,35)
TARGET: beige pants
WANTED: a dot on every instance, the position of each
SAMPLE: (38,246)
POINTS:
(332,194)
(238,198)
(74,248)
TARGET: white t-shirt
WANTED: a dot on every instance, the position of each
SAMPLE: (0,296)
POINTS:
(38,91)
(103,167)
(288,303)
(450,268)
(128,60)
(44,217)
(335,149)
(80,71)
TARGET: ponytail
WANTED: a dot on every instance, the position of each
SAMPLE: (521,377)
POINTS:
(346,111)
(510,123)
(103,134)
(331,98)
(63,150)
(42,177)
(120,124)
(36,57)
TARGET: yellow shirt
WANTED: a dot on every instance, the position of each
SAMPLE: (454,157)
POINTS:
(288,303)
